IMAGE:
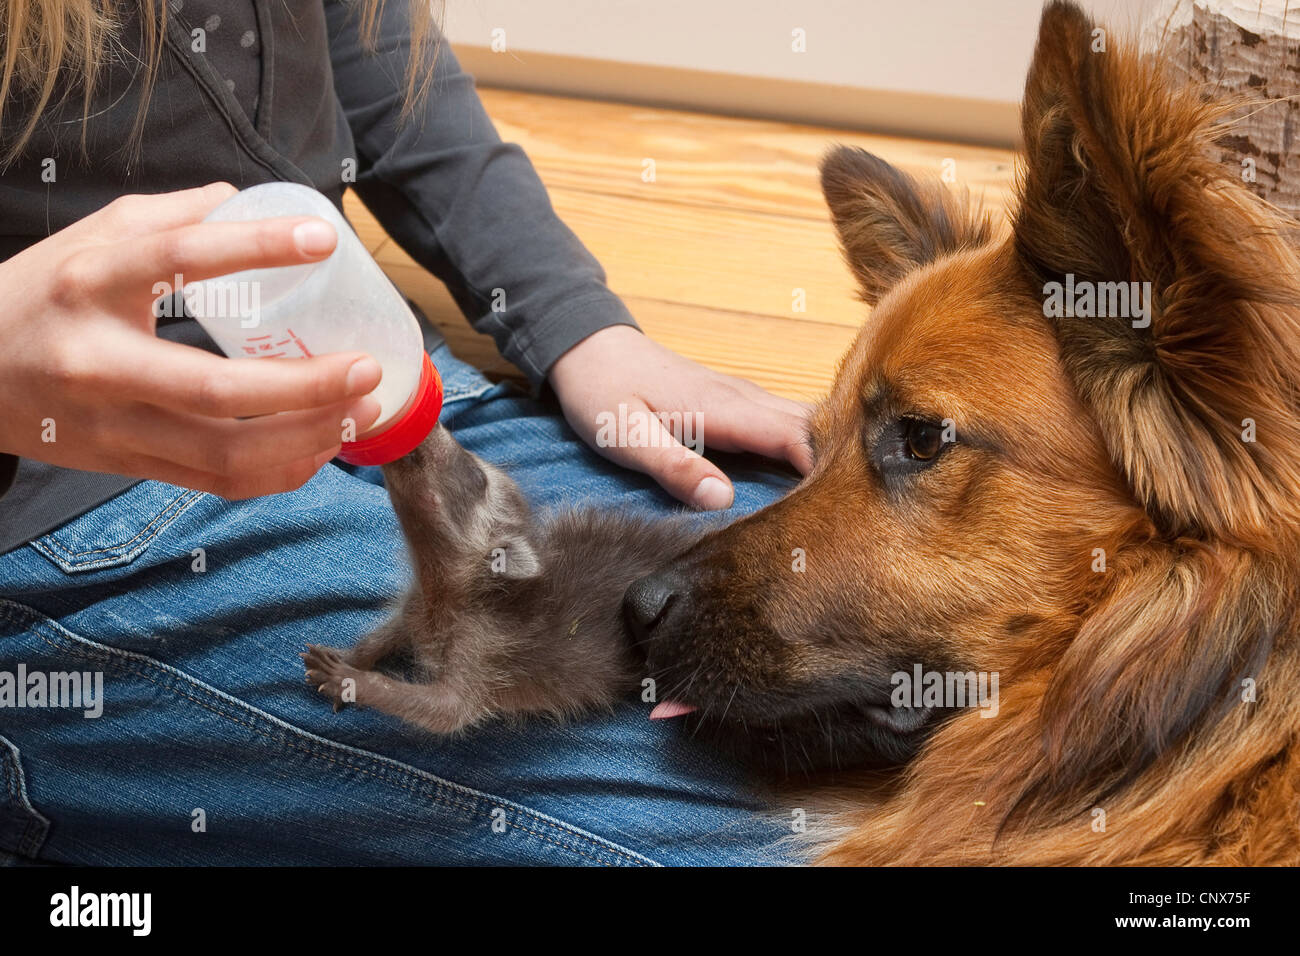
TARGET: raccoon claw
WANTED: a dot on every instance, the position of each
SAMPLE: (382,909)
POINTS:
(327,671)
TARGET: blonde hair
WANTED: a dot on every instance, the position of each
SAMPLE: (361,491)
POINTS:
(51,48)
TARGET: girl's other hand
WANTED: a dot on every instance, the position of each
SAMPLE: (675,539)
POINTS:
(620,366)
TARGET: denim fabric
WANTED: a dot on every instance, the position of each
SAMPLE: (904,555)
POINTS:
(212,750)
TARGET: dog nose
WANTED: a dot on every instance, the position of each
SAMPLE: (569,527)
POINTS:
(647,602)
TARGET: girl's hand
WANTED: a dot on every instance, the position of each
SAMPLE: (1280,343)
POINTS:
(85,383)
(620,366)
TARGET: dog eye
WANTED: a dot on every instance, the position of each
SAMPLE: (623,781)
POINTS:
(909,445)
(923,440)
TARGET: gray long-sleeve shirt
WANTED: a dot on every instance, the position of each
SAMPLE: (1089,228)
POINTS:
(325,113)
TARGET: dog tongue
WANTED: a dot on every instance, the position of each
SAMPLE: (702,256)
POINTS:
(670,708)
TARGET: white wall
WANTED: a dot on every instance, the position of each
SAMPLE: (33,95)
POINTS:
(693,52)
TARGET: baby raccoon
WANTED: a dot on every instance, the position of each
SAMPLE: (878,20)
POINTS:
(508,614)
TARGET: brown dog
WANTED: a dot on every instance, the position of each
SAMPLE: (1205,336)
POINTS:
(1028,470)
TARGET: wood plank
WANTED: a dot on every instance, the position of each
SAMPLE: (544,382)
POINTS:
(724,259)
(715,161)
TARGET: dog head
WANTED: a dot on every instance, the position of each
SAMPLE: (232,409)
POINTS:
(1065,455)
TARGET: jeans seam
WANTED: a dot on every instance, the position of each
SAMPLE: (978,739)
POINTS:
(37,826)
(445,792)
(53,548)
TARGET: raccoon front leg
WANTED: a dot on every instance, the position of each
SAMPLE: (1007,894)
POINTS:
(385,640)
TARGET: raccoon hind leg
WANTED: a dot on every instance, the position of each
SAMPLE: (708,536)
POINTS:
(435,707)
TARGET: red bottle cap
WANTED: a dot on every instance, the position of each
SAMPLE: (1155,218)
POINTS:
(403,433)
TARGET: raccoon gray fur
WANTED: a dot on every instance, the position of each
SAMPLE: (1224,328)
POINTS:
(508,614)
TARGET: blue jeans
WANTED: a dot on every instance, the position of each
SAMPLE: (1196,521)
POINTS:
(211,749)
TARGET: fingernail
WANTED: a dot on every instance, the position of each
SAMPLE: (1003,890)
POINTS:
(314,237)
(713,494)
(363,376)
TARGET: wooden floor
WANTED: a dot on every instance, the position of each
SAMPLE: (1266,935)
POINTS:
(709,254)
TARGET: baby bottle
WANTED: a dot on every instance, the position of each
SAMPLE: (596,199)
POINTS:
(343,303)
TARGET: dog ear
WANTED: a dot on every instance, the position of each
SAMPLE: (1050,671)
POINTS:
(889,224)
(1196,391)
(1168,651)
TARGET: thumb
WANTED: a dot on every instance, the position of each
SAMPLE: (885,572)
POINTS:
(683,473)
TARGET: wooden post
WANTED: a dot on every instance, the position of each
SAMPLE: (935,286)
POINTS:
(1249,48)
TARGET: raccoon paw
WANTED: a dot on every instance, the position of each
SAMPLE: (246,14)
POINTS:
(331,675)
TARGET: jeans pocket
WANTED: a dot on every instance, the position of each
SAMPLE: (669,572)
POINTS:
(118,531)
(22,828)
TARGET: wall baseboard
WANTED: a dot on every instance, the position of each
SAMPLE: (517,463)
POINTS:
(915,115)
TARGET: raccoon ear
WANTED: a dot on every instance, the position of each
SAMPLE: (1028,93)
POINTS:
(888,223)
(1194,388)
(515,558)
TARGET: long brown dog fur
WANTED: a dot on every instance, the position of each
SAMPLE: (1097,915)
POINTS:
(1150,705)
(1140,706)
